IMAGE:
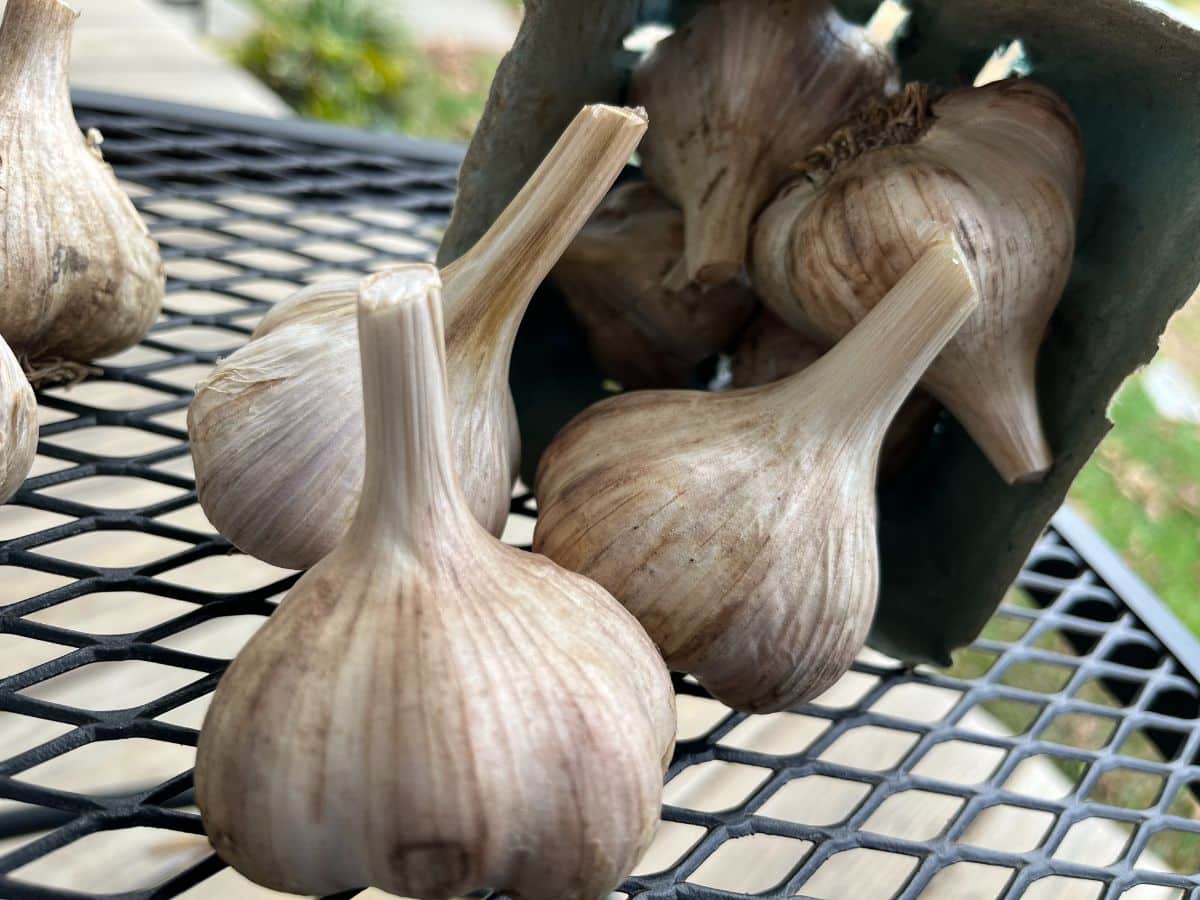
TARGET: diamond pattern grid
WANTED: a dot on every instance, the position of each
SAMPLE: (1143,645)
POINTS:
(1057,758)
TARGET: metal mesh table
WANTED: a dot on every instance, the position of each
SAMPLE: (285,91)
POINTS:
(1057,759)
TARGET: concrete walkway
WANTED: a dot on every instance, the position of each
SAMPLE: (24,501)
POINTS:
(481,24)
(136,47)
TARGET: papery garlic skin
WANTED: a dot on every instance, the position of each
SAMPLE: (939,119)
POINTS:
(641,332)
(1002,166)
(770,350)
(738,96)
(276,430)
(18,425)
(429,711)
(739,527)
(80,276)
(325,300)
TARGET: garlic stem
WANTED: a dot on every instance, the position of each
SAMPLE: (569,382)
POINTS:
(887,24)
(500,273)
(35,45)
(881,360)
(409,481)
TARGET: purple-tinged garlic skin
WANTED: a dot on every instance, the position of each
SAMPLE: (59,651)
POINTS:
(642,332)
(737,96)
(1002,167)
(739,527)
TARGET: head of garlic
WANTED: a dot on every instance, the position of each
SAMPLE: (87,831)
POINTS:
(18,424)
(276,430)
(1000,165)
(430,711)
(739,527)
(640,331)
(80,276)
(736,96)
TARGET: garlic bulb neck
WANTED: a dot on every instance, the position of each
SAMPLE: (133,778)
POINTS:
(489,287)
(409,480)
(35,49)
(870,373)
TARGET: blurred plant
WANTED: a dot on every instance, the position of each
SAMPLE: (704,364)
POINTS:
(346,61)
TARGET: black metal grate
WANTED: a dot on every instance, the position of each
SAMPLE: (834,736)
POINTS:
(1059,756)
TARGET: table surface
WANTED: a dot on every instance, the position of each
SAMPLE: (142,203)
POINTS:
(120,606)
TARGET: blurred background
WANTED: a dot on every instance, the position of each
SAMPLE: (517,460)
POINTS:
(424,68)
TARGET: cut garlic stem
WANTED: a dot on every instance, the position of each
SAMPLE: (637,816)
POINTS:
(498,276)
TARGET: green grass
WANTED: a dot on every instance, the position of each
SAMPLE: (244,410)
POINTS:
(1121,787)
(1142,492)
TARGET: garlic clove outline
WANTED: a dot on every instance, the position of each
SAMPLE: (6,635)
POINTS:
(716,146)
(430,711)
(1002,165)
(739,527)
(276,429)
(640,332)
(80,276)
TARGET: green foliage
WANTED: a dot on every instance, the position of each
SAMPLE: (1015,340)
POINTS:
(1142,492)
(345,61)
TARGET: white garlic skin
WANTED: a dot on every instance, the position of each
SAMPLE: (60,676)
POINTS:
(429,711)
(80,276)
(1002,166)
(289,391)
(276,430)
(18,425)
(640,331)
(739,527)
(737,97)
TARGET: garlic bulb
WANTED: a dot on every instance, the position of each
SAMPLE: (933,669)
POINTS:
(430,711)
(80,276)
(770,350)
(639,331)
(1001,165)
(737,96)
(739,527)
(276,429)
(18,424)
